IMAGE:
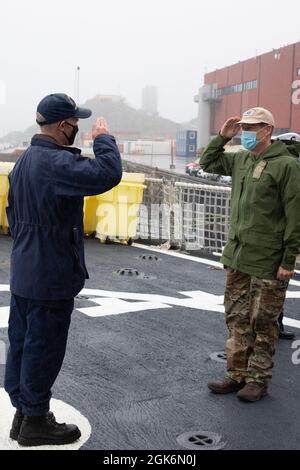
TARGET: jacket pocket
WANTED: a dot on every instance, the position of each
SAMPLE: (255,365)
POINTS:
(78,264)
(267,240)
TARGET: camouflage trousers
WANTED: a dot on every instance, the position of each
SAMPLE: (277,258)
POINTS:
(252,308)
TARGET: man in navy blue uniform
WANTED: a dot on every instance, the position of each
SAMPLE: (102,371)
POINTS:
(45,214)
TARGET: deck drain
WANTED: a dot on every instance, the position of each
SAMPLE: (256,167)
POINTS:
(134,273)
(219,356)
(128,272)
(149,257)
(201,440)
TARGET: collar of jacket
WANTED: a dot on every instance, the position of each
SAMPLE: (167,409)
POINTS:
(276,149)
(46,141)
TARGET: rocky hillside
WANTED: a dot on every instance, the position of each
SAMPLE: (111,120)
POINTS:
(122,118)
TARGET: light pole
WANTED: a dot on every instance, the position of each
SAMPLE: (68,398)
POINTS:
(172,166)
(151,164)
(77,85)
(77,94)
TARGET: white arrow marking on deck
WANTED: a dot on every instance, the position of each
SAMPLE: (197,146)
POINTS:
(114,303)
(4,288)
(4,314)
(110,304)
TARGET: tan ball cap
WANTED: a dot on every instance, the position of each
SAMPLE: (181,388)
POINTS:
(256,116)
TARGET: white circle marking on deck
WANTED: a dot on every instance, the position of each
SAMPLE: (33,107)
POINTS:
(63,413)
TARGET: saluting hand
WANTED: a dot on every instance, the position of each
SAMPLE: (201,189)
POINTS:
(100,127)
(231,127)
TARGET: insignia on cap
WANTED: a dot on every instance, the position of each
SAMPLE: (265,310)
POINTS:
(250,112)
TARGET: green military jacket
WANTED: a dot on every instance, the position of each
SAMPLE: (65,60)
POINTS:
(264,231)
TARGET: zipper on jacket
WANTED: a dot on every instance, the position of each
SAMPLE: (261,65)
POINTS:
(243,193)
(241,210)
(239,217)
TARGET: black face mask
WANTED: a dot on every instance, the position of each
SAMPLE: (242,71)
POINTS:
(71,138)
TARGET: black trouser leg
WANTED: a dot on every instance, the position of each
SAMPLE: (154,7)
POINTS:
(38,332)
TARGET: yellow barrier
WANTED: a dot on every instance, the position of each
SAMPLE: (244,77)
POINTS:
(5,169)
(113,215)
(90,219)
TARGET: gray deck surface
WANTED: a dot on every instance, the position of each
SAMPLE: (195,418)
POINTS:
(140,377)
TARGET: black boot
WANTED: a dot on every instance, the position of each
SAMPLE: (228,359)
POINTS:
(17,421)
(16,425)
(282,333)
(42,430)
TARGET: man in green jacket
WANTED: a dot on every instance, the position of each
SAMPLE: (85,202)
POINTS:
(263,243)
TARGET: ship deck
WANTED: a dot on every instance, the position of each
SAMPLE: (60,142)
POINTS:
(138,357)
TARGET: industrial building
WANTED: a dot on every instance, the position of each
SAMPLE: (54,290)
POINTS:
(270,80)
(150,100)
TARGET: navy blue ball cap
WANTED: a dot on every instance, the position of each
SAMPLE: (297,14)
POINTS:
(57,107)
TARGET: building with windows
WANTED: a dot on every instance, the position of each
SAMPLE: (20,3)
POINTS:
(270,80)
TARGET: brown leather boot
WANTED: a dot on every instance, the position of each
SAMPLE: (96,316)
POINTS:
(226,385)
(253,391)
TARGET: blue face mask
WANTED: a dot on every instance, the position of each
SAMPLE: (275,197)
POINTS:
(249,140)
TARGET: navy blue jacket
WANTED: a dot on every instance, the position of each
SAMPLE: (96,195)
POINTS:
(45,214)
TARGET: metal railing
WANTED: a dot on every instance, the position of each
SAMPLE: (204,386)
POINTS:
(188,216)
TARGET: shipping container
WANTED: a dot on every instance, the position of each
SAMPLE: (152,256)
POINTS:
(147,147)
(186,143)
